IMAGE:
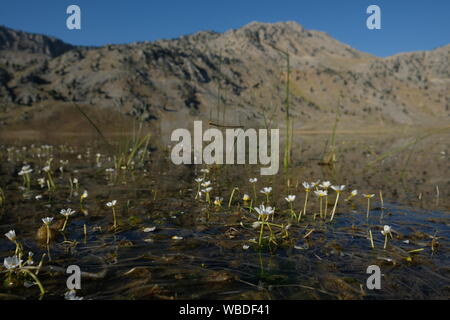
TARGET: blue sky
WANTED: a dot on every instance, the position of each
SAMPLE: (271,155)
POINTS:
(407,25)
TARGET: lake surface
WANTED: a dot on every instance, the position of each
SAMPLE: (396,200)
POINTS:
(169,245)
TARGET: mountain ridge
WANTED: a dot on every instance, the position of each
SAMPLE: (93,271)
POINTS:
(236,77)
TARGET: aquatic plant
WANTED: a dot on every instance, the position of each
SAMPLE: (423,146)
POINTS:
(112,205)
(253,182)
(83,196)
(368,197)
(353,194)
(25,173)
(207,189)
(218,201)
(14,266)
(338,190)
(199,181)
(386,232)
(307,187)
(231,196)
(47,169)
(290,199)
(47,221)
(325,185)
(66,213)
(266,191)
(320,194)
(264,213)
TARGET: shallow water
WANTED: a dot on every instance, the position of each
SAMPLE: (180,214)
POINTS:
(209,262)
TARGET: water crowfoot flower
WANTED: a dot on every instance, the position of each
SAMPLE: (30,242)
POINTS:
(386,232)
(253,182)
(25,173)
(47,221)
(66,213)
(264,213)
(199,181)
(368,197)
(325,185)
(207,190)
(352,195)
(266,191)
(50,183)
(112,205)
(307,187)
(320,194)
(338,190)
(72,295)
(290,199)
(11,235)
(11,263)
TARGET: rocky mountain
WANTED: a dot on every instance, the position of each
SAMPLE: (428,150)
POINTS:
(233,78)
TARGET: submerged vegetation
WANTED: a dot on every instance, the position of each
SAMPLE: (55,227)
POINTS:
(140,227)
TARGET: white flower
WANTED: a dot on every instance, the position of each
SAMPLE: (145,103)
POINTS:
(321,193)
(11,235)
(46,168)
(47,220)
(266,190)
(206,190)
(386,230)
(84,195)
(67,212)
(354,193)
(325,184)
(253,180)
(338,188)
(290,198)
(246,197)
(11,262)
(72,295)
(313,184)
(307,186)
(368,195)
(198,180)
(245,246)
(149,229)
(41,182)
(75,181)
(206,184)
(25,170)
(111,203)
(38,197)
(256,224)
(264,211)
(204,170)
(109,170)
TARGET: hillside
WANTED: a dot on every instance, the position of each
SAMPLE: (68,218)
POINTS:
(172,81)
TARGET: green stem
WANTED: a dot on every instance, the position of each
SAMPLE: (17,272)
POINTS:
(65,223)
(335,206)
(231,197)
(41,287)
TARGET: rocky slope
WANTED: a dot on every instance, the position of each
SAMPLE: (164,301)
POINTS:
(234,78)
